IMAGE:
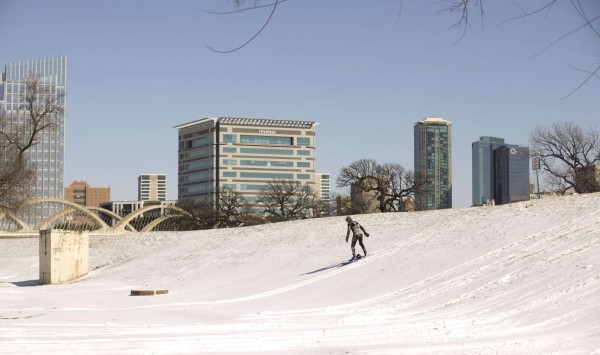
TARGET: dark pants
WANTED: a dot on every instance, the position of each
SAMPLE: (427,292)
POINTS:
(358,238)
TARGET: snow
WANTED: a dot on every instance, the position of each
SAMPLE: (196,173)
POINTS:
(519,278)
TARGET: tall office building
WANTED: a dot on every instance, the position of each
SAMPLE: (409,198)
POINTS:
(511,174)
(47,156)
(322,188)
(483,169)
(83,194)
(243,154)
(500,172)
(433,158)
(152,187)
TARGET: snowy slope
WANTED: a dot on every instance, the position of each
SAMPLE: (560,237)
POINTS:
(520,278)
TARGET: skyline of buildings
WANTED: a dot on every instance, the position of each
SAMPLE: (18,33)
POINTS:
(433,158)
(433,151)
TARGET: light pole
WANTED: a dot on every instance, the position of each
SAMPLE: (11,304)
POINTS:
(535,165)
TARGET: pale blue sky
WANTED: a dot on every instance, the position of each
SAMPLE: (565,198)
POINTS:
(138,68)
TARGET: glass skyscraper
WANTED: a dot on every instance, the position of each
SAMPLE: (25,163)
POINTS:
(511,174)
(482,165)
(500,172)
(47,156)
(433,157)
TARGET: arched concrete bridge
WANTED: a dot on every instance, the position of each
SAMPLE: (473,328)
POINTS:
(120,225)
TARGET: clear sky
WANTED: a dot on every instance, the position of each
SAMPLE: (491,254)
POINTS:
(365,70)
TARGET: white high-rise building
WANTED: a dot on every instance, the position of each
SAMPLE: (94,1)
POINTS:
(322,189)
(152,187)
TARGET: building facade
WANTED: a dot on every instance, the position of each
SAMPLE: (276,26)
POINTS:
(500,172)
(83,194)
(243,154)
(322,188)
(433,158)
(152,187)
(47,156)
(511,174)
(483,169)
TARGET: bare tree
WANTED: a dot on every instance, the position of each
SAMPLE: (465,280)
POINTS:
(38,111)
(589,21)
(285,200)
(404,184)
(568,155)
(194,215)
(321,208)
(390,184)
(340,204)
(234,210)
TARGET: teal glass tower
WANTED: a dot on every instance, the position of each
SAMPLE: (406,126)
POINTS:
(47,156)
(433,158)
(483,169)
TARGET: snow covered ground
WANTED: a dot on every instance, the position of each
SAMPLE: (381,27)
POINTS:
(521,278)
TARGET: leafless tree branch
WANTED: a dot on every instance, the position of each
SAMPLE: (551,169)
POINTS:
(254,7)
(253,37)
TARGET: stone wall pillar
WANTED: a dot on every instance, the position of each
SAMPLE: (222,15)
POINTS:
(64,255)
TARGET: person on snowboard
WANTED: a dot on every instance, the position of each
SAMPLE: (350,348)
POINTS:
(356,235)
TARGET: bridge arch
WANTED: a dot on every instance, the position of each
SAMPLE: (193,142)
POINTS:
(24,226)
(135,214)
(70,204)
(112,214)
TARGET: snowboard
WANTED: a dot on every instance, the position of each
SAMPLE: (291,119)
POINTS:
(357,258)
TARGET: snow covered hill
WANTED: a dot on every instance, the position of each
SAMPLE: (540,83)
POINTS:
(519,278)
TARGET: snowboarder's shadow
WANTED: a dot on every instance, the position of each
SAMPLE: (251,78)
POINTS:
(332,266)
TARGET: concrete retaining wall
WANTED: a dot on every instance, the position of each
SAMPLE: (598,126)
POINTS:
(64,255)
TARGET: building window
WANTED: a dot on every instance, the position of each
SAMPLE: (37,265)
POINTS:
(229,174)
(303,176)
(303,164)
(229,162)
(230,186)
(198,142)
(265,140)
(198,176)
(303,152)
(267,151)
(303,141)
(253,187)
(266,175)
(229,150)
(199,152)
(267,163)
(197,165)
(229,138)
